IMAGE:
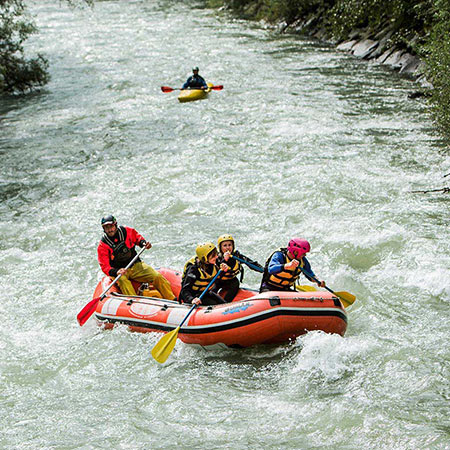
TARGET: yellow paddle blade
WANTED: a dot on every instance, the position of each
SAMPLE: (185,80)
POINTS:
(346,298)
(305,288)
(165,345)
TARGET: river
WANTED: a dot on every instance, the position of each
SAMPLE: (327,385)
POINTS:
(302,141)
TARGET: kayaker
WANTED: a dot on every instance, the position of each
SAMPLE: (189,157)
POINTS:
(195,81)
(198,272)
(117,248)
(282,269)
(229,279)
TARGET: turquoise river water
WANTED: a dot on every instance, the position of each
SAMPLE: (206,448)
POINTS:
(302,140)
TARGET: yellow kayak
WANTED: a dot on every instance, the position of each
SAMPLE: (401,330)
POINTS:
(190,95)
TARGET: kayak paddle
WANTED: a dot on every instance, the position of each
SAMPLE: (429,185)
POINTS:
(169,89)
(90,308)
(165,345)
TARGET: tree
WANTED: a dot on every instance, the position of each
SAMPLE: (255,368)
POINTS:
(16,72)
(437,50)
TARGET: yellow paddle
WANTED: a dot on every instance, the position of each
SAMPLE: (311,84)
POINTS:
(346,298)
(305,288)
(165,345)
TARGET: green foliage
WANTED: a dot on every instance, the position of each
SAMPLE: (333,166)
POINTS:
(405,18)
(284,10)
(437,51)
(276,11)
(288,11)
(16,72)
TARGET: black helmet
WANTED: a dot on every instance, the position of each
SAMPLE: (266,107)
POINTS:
(195,69)
(108,220)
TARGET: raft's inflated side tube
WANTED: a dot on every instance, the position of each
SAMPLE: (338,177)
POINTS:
(251,319)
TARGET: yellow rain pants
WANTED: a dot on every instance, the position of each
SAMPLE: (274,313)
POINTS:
(145,274)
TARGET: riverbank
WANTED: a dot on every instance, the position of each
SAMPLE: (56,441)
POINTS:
(410,40)
(371,45)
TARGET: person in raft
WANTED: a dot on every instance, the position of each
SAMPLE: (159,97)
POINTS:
(282,269)
(115,251)
(198,273)
(195,81)
(229,280)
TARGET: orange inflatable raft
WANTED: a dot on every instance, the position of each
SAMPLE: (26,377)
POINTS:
(251,319)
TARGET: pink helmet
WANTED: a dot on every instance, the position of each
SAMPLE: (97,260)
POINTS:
(298,247)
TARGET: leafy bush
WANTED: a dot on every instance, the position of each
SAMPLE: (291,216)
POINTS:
(437,57)
(16,72)
(407,19)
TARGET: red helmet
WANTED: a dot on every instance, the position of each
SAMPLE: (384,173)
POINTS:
(298,247)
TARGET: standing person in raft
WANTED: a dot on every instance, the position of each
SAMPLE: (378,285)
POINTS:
(229,279)
(198,272)
(195,81)
(116,250)
(282,269)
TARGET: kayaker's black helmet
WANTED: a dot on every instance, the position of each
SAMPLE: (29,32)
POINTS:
(107,220)
(195,69)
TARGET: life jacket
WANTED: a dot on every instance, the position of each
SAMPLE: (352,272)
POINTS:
(191,261)
(196,81)
(234,268)
(121,254)
(287,277)
(201,282)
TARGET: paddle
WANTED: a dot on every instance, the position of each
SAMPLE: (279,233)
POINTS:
(90,308)
(305,288)
(258,269)
(169,89)
(347,298)
(165,345)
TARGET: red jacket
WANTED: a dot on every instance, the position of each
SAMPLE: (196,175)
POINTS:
(115,253)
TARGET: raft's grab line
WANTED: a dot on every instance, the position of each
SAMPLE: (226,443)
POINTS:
(157,301)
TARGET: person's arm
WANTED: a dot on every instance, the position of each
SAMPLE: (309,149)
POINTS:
(204,84)
(309,273)
(276,264)
(186,293)
(247,259)
(223,263)
(186,85)
(307,269)
(104,259)
(224,267)
(137,239)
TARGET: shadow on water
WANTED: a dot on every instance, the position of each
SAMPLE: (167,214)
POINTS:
(12,102)
(257,357)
